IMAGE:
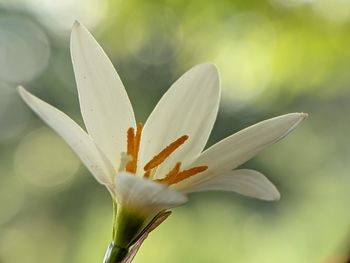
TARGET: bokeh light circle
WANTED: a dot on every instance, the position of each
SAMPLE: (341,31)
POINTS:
(156,46)
(24,49)
(62,14)
(44,160)
(14,115)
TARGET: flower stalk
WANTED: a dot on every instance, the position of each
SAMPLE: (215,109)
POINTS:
(126,229)
(115,254)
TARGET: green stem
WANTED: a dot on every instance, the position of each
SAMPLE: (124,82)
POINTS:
(127,225)
(115,254)
(114,219)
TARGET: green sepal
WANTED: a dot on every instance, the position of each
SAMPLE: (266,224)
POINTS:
(127,227)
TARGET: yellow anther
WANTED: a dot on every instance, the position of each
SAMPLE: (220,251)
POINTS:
(173,172)
(160,157)
(186,174)
(129,159)
(133,147)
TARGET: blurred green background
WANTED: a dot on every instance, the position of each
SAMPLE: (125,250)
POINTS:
(274,57)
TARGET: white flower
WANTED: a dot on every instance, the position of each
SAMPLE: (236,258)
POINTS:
(151,168)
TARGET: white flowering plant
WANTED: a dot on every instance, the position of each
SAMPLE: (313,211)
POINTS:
(151,168)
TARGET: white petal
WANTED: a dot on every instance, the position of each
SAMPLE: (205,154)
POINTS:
(238,148)
(104,103)
(245,182)
(189,107)
(74,135)
(144,196)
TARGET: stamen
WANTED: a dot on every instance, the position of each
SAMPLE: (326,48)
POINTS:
(160,157)
(137,140)
(133,147)
(186,174)
(147,174)
(124,160)
(171,175)
(131,138)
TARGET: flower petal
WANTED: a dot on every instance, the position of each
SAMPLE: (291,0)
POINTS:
(242,146)
(238,148)
(145,197)
(104,103)
(245,182)
(74,135)
(189,107)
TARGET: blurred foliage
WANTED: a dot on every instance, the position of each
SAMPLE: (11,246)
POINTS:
(274,56)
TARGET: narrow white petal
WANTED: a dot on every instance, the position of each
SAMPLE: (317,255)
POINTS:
(74,135)
(104,103)
(238,148)
(145,197)
(189,107)
(245,182)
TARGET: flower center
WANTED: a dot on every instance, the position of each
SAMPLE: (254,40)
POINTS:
(175,175)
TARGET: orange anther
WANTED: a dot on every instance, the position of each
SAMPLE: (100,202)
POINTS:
(170,176)
(186,174)
(137,140)
(147,174)
(160,157)
(133,147)
(131,138)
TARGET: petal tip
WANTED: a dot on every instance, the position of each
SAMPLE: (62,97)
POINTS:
(276,196)
(76,24)
(304,115)
(20,89)
(209,67)
(300,117)
(296,119)
(76,29)
(25,95)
